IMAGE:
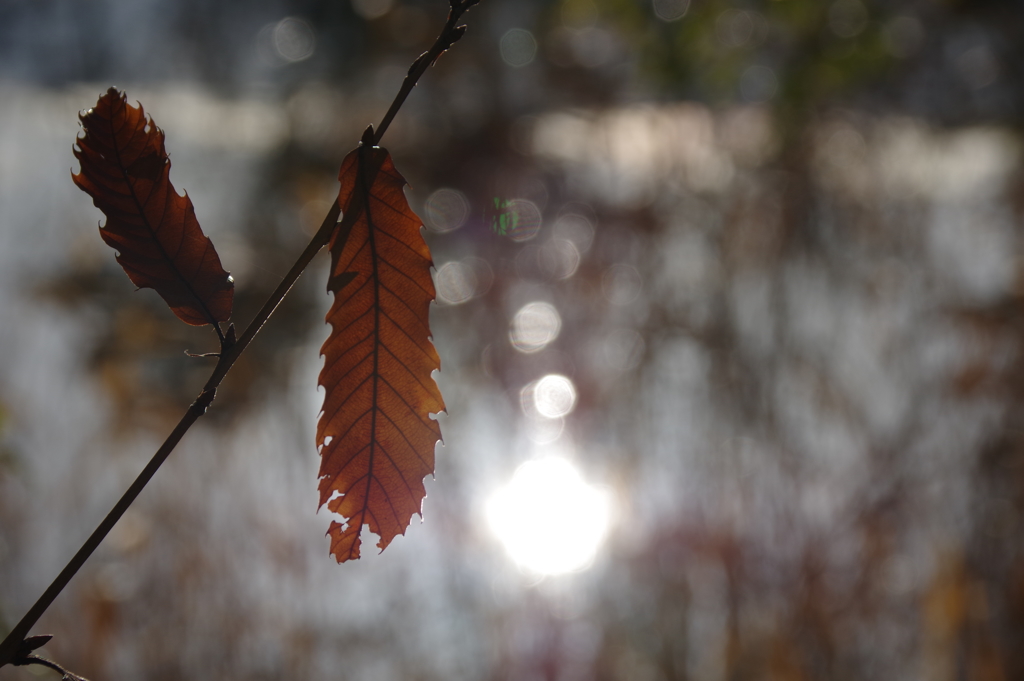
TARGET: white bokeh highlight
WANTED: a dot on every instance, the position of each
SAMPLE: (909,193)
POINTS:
(535,326)
(548,518)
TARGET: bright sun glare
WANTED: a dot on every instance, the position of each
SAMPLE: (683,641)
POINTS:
(548,518)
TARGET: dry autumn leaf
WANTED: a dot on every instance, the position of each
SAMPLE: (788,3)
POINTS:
(159,242)
(375,435)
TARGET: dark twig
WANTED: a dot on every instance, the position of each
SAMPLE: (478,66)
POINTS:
(43,662)
(449,35)
(16,646)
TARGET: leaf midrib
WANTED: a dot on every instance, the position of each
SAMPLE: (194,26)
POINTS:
(375,275)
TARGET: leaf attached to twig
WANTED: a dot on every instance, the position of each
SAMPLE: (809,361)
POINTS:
(375,435)
(159,242)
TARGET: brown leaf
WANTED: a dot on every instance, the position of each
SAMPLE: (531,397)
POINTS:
(375,437)
(159,242)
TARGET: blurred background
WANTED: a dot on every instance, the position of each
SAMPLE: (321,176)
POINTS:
(730,315)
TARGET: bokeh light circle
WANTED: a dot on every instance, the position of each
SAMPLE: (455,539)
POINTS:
(670,10)
(372,9)
(575,228)
(535,326)
(734,28)
(559,258)
(446,210)
(525,219)
(554,396)
(293,39)
(548,518)
(455,283)
(518,47)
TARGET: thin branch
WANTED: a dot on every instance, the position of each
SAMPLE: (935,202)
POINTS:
(43,662)
(449,35)
(13,644)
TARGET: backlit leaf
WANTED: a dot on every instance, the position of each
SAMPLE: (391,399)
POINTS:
(159,242)
(375,435)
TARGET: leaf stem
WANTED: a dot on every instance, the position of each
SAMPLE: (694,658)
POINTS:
(230,351)
(43,662)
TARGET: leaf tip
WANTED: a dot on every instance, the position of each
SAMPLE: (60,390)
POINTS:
(345,541)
